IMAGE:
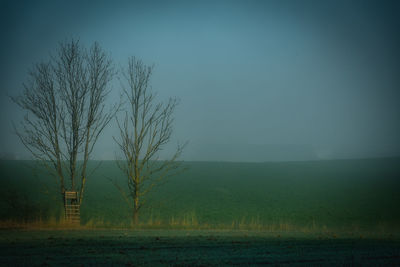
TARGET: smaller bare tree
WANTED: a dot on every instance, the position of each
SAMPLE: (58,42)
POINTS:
(145,130)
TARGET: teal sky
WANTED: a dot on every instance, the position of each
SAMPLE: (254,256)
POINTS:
(257,80)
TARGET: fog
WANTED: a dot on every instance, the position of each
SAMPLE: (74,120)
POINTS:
(257,80)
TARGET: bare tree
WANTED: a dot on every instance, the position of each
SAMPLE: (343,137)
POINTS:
(65,100)
(144,131)
(41,127)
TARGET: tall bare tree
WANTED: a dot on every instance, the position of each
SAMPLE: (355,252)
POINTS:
(65,101)
(144,131)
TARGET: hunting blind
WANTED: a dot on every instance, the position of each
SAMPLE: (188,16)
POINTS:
(72,208)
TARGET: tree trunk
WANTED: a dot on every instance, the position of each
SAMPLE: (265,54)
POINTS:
(82,190)
(85,161)
(135,217)
(136,210)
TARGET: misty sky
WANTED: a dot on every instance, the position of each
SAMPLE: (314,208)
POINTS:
(257,80)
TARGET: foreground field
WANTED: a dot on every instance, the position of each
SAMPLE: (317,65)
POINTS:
(340,195)
(191,248)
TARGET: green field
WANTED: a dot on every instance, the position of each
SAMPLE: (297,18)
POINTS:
(340,194)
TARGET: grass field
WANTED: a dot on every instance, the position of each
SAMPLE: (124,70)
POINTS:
(342,212)
(340,195)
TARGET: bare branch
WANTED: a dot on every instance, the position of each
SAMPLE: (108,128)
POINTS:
(65,102)
(144,131)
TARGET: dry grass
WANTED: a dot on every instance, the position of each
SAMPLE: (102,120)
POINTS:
(189,222)
(51,223)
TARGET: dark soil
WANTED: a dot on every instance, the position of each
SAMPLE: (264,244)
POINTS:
(191,248)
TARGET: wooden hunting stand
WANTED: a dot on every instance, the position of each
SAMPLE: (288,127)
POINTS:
(72,208)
